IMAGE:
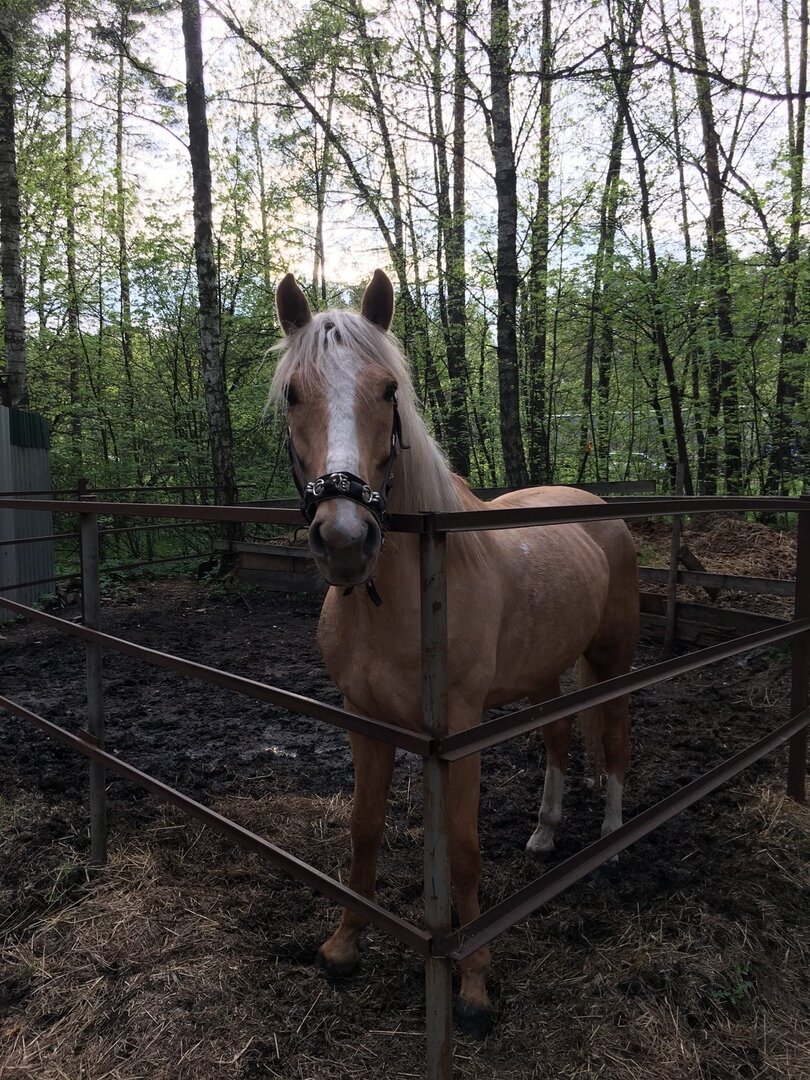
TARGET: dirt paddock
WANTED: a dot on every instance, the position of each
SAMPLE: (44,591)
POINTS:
(185,958)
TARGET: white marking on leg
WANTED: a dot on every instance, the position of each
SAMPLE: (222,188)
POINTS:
(550,815)
(613,806)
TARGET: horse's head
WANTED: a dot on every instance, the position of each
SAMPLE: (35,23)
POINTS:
(342,420)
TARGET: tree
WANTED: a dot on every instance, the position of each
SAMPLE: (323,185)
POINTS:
(537,431)
(216,400)
(506,260)
(722,351)
(15,387)
(790,439)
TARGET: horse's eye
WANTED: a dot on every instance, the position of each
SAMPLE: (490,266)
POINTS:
(290,395)
(390,392)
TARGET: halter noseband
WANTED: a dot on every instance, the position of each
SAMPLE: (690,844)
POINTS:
(345,485)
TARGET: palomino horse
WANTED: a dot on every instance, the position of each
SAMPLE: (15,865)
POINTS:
(523,604)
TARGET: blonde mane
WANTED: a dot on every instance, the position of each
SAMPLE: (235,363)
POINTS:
(423,480)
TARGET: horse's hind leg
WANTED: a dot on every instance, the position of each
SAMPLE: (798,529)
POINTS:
(616,746)
(557,740)
(610,733)
(373,767)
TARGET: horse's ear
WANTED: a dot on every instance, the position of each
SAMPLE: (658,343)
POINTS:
(378,300)
(292,306)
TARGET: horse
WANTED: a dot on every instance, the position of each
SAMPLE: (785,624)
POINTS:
(524,604)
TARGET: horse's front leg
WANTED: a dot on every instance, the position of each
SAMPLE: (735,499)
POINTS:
(373,766)
(473,1010)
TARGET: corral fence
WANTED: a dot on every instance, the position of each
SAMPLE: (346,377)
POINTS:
(435,941)
(34,531)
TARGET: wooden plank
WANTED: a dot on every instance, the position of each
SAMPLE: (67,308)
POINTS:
(275,560)
(751,585)
(724,619)
(277,581)
(688,633)
(299,550)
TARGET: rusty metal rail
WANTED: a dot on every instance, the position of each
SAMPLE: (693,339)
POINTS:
(407,933)
(414,741)
(619,507)
(524,721)
(520,905)
(191,511)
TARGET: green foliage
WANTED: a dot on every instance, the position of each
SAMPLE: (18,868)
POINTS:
(738,987)
(141,420)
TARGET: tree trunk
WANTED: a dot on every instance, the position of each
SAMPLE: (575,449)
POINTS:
(659,327)
(790,437)
(123,257)
(216,400)
(599,341)
(539,470)
(267,277)
(74,361)
(413,320)
(506,262)
(451,232)
(15,384)
(722,357)
(321,181)
(694,351)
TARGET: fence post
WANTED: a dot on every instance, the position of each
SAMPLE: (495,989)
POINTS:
(670,626)
(91,599)
(800,664)
(438,987)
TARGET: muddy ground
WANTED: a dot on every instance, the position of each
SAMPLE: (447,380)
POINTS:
(185,958)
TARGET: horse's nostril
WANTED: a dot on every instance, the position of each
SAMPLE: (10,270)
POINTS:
(371,541)
(316,543)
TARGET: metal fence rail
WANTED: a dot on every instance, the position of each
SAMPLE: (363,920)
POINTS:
(403,931)
(527,900)
(436,943)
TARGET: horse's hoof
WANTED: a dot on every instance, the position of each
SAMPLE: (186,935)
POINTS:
(540,854)
(472,1019)
(539,849)
(334,971)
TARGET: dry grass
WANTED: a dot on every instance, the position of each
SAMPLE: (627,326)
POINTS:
(724,544)
(186,959)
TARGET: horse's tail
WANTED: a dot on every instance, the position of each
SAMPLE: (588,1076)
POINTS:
(592,725)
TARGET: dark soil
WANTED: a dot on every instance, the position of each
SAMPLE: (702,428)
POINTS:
(692,964)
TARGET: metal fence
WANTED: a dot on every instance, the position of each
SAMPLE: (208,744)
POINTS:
(22,573)
(435,941)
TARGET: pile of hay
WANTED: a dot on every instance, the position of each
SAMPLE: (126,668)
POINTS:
(184,958)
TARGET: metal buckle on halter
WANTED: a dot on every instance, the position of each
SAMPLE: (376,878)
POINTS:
(340,482)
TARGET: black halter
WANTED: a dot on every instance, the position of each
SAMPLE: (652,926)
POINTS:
(345,485)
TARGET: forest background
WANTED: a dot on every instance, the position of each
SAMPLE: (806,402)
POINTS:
(592,211)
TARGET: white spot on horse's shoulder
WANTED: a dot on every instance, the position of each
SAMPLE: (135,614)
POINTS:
(524,548)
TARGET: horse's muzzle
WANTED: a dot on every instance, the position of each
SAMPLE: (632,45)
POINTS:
(345,541)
